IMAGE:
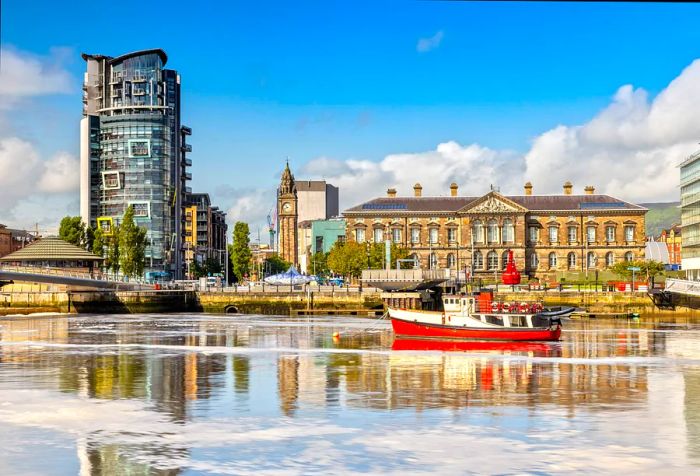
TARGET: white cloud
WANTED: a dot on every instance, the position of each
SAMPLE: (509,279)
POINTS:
(427,44)
(25,75)
(60,174)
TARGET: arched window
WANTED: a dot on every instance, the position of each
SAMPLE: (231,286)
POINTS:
(534,261)
(504,260)
(492,231)
(629,256)
(433,261)
(591,260)
(571,260)
(451,261)
(609,259)
(478,231)
(552,260)
(478,260)
(508,231)
(492,261)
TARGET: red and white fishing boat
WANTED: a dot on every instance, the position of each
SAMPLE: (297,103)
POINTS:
(480,317)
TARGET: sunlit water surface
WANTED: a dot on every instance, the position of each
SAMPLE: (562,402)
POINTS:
(182,394)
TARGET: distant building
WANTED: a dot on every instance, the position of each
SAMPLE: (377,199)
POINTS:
(298,203)
(205,231)
(133,152)
(12,240)
(690,216)
(567,233)
(325,234)
(672,237)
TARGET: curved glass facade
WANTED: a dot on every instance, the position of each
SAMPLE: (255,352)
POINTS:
(136,151)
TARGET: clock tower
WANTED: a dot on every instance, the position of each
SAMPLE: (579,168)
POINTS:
(287,217)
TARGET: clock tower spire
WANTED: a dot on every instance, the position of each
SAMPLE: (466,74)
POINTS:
(288,216)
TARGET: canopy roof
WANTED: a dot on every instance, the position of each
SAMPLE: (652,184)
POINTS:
(51,249)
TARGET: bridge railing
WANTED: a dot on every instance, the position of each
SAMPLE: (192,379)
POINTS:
(683,286)
(68,273)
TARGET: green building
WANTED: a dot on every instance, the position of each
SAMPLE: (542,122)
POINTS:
(324,234)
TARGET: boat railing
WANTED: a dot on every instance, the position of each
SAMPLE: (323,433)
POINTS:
(509,307)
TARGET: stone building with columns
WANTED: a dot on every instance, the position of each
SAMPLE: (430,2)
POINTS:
(549,234)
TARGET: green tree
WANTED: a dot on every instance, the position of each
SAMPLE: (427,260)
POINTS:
(348,259)
(89,238)
(318,263)
(98,243)
(240,250)
(132,245)
(274,264)
(647,269)
(113,250)
(72,230)
(377,255)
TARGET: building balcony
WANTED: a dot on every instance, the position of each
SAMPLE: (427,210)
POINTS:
(187,175)
(188,190)
(186,148)
(188,162)
(186,130)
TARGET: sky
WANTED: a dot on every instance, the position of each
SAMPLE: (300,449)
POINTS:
(368,95)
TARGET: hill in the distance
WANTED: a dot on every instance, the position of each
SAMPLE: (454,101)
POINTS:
(661,215)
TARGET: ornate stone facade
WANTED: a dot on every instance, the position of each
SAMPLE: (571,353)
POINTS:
(547,233)
(287,214)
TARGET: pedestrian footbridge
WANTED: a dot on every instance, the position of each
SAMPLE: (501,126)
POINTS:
(30,274)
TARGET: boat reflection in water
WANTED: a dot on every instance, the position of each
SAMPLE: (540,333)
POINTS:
(538,349)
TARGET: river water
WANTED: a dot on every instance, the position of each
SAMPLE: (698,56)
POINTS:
(205,394)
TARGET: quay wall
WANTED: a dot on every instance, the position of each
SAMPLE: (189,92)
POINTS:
(283,303)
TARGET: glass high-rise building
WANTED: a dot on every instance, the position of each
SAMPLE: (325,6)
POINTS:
(133,152)
(690,216)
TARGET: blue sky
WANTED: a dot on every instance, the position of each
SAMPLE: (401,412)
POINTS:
(348,80)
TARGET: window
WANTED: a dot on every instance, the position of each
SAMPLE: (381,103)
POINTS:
(572,234)
(629,256)
(508,231)
(433,235)
(378,235)
(360,235)
(504,260)
(590,234)
(552,260)
(451,261)
(629,232)
(609,259)
(591,260)
(396,235)
(478,232)
(553,234)
(492,231)
(534,261)
(533,234)
(415,235)
(517,321)
(610,234)
(478,260)
(452,235)
(571,260)
(433,261)
(492,261)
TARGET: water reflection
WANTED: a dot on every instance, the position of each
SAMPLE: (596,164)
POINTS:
(173,373)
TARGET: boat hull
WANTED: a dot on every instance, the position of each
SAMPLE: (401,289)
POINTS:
(438,331)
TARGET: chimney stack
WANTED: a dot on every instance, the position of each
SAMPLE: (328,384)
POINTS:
(391,193)
(567,188)
(528,188)
(417,190)
(590,189)
(453,189)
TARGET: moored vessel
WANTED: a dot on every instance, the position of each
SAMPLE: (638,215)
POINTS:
(480,317)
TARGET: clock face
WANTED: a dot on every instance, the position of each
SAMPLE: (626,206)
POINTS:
(286,207)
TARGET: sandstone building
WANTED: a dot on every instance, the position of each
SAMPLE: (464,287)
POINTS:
(547,233)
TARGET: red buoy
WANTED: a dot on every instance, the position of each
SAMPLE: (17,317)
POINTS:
(511,274)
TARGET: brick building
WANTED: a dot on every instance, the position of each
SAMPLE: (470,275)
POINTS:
(672,238)
(12,240)
(547,233)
